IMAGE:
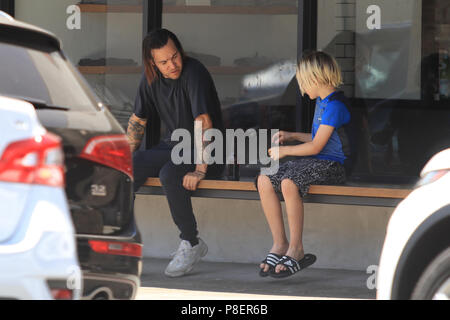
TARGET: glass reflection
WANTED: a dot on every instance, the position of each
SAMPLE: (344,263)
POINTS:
(400,88)
(267,99)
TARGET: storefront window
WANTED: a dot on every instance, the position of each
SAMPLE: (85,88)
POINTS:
(250,49)
(102,38)
(394,56)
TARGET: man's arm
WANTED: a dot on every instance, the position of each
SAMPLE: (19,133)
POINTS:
(191,179)
(135,131)
(206,124)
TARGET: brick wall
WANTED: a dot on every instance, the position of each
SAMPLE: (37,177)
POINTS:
(345,24)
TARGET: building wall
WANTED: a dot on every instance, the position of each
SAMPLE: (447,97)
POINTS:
(342,237)
(338,38)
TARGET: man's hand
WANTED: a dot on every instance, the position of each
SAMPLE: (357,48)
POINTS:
(192,179)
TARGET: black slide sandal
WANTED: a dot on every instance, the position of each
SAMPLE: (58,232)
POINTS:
(271,260)
(293,266)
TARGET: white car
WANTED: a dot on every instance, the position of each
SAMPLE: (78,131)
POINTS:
(415,260)
(38,257)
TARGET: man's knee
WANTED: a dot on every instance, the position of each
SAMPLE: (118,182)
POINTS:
(166,175)
(288,186)
(171,174)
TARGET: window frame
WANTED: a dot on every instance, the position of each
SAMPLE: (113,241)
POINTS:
(7,6)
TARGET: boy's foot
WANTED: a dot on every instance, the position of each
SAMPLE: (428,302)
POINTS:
(294,254)
(291,266)
(185,258)
(278,251)
(271,260)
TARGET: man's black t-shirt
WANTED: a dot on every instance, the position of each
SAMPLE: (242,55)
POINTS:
(178,102)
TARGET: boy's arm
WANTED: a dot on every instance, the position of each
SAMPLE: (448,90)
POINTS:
(283,136)
(311,148)
(314,146)
(301,136)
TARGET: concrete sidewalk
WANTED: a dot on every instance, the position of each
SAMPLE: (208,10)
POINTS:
(236,281)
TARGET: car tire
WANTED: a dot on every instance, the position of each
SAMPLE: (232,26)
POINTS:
(433,278)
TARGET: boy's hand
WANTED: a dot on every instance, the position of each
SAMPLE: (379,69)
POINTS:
(277,153)
(281,136)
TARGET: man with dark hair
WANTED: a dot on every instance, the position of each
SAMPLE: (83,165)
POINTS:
(176,90)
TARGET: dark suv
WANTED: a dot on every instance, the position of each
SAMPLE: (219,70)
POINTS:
(99,173)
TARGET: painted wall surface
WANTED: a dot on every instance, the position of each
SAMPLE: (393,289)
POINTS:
(342,237)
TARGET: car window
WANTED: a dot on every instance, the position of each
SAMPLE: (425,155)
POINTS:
(42,76)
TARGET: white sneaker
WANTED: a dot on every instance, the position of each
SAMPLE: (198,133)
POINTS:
(185,258)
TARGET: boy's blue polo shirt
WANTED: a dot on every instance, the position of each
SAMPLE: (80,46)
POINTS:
(333,112)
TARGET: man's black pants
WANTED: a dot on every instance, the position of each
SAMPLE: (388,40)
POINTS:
(157,162)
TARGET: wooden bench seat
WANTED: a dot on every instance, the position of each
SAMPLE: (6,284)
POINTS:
(360,194)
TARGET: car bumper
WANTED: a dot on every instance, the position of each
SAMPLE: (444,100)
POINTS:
(405,220)
(109,287)
(24,278)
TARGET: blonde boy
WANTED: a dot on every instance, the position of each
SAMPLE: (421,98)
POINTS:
(319,160)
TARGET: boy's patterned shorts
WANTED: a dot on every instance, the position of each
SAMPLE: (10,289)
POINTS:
(306,171)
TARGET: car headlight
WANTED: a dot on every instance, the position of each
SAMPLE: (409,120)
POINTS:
(56,246)
(431,177)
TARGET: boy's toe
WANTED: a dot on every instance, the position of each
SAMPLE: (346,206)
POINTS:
(280,268)
(264,267)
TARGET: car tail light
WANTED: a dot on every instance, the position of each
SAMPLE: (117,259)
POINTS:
(116,248)
(112,151)
(38,160)
(62,294)
(59,290)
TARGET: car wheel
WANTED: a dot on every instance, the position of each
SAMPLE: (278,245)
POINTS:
(435,281)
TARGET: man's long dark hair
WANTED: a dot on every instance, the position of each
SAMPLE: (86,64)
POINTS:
(156,40)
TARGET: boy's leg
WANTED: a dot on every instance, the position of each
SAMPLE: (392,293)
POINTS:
(295,214)
(272,209)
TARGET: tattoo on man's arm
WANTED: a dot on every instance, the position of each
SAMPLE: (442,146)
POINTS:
(135,133)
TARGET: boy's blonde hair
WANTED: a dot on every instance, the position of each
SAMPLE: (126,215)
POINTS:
(318,69)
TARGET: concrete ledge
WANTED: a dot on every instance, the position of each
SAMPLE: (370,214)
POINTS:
(342,237)
(348,194)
